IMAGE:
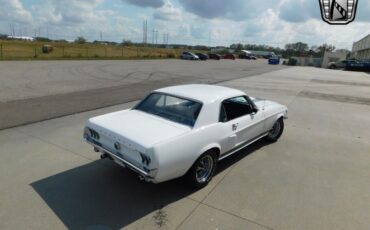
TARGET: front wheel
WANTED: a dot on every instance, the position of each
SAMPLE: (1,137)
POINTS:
(276,131)
(201,173)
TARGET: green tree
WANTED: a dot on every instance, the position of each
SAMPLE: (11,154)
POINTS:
(127,43)
(298,46)
(80,40)
(326,47)
(42,39)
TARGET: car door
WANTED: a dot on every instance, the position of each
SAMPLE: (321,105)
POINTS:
(188,55)
(242,120)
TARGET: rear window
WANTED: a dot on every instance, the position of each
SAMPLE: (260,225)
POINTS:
(176,109)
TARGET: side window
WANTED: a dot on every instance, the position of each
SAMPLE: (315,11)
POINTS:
(234,108)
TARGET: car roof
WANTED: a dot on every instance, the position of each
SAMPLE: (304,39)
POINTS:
(202,92)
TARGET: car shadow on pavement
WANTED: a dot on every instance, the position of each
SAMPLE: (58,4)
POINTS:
(102,193)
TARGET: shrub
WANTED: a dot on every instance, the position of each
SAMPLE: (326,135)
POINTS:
(171,55)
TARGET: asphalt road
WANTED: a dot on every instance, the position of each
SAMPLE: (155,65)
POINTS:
(37,90)
(315,177)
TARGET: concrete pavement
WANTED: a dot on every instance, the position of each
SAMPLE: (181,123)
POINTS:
(50,89)
(314,177)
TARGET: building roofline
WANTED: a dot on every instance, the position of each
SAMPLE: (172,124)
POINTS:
(362,39)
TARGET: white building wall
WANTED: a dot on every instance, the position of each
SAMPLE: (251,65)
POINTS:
(361,49)
(332,57)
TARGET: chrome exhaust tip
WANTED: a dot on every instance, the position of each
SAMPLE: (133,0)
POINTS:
(143,178)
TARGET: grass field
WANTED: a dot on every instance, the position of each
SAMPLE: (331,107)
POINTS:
(24,50)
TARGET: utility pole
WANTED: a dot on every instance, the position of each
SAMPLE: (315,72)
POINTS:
(156,37)
(101,36)
(145,32)
(153,36)
(209,39)
(12,30)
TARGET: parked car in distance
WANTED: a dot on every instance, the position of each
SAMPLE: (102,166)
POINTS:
(202,56)
(341,64)
(247,56)
(229,56)
(358,65)
(274,60)
(214,56)
(184,131)
(189,56)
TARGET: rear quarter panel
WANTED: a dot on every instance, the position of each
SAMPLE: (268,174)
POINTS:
(175,157)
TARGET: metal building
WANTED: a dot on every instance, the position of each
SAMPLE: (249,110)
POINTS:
(361,49)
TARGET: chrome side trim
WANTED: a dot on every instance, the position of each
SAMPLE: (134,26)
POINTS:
(242,146)
(125,162)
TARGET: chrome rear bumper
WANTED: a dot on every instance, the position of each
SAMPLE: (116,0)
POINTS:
(145,175)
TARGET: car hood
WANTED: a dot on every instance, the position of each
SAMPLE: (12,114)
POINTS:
(136,128)
(263,103)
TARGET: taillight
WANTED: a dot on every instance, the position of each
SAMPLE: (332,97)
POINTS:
(145,159)
(92,133)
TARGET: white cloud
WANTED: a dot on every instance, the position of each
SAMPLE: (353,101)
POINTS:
(168,13)
(218,22)
(13,10)
(77,11)
(146,3)
(237,10)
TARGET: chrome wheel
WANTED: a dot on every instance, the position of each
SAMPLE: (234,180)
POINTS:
(275,131)
(204,169)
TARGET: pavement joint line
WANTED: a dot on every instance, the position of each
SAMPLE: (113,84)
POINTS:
(300,91)
(230,213)
(251,76)
(338,134)
(196,207)
(235,215)
(58,146)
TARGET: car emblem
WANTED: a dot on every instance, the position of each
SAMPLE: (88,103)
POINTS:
(338,12)
(117,146)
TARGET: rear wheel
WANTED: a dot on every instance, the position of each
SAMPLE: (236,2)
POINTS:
(201,173)
(276,131)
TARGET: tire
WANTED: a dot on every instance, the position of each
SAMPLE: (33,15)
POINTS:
(276,131)
(202,171)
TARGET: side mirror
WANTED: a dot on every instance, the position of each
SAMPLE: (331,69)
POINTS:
(254,110)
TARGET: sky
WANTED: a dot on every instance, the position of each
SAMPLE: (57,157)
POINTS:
(193,22)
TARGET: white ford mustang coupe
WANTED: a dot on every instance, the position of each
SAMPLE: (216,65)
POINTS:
(184,130)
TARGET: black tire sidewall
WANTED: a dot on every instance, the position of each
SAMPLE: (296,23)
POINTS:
(191,175)
(281,121)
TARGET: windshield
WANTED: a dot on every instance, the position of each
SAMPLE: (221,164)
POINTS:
(173,108)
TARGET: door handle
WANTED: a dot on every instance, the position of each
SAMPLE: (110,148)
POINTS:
(235,126)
